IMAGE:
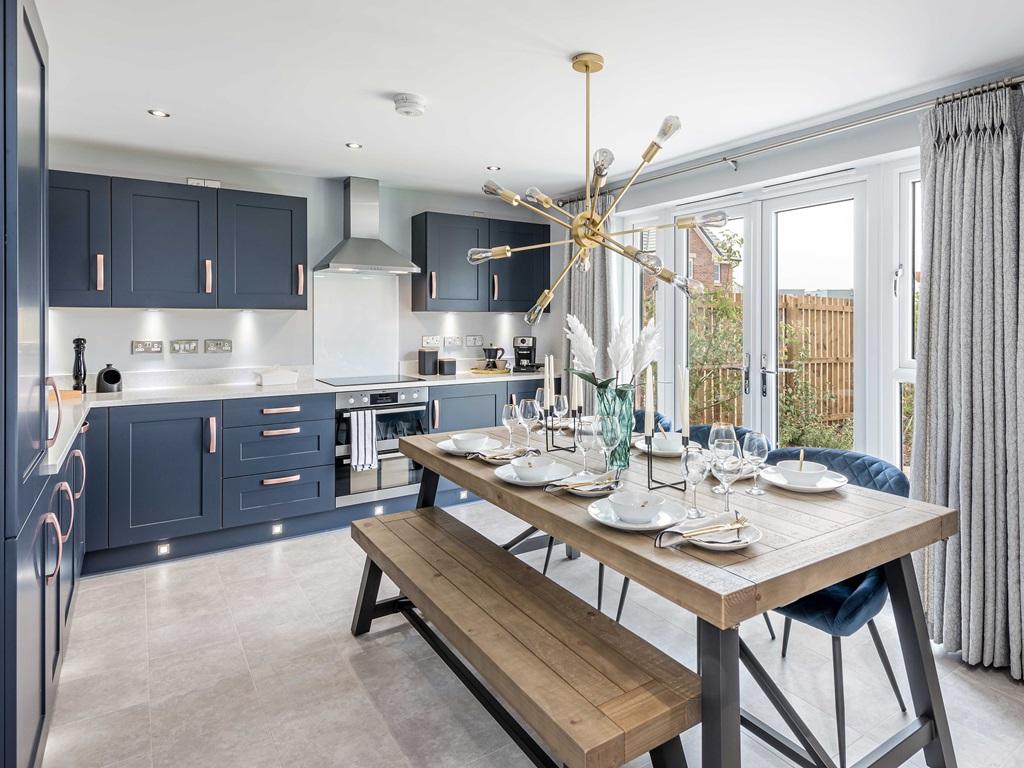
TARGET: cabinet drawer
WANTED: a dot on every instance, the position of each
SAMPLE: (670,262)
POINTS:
(249,450)
(256,411)
(275,495)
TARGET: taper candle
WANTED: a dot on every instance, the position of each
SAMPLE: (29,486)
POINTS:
(649,402)
(683,398)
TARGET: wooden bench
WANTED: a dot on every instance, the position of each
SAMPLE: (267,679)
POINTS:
(597,694)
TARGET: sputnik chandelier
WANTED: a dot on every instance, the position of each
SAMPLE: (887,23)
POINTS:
(587,229)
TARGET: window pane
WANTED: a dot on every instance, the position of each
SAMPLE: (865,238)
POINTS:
(916,254)
(815,251)
(906,424)
(648,310)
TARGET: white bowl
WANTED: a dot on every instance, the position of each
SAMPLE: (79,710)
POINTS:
(667,442)
(634,507)
(811,473)
(469,441)
(532,469)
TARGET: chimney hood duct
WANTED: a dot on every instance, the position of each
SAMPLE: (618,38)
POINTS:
(362,250)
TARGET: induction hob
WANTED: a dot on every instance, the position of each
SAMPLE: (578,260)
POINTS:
(350,381)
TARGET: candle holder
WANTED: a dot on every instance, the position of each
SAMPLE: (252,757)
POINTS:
(652,484)
(550,439)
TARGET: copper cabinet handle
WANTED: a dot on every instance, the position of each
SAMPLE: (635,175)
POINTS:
(514,399)
(277,432)
(302,279)
(49,382)
(209,275)
(65,487)
(433,285)
(213,433)
(51,518)
(84,428)
(281,409)
(99,271)
(281,480)
(77,453)
(437,414)
(495,294)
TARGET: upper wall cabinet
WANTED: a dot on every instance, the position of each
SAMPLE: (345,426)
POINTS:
(79,240)
(262,250)
(164,243)
(448,282)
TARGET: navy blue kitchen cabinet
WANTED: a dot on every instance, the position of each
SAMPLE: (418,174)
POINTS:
(522,389)
(251,450)
(278,495)
(164,243)
(96,485)
(466,406)
(446,281)
(79,240)
(515,283)
(165,471)
(259,411)
(261,250)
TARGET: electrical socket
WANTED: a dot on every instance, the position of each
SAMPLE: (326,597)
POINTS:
(453,341)
(184,346)
(140,347)
(474,340)
(431,341)
(216,346)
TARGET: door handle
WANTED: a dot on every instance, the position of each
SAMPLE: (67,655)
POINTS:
(896,280)
(99,271)
(281,480)
(65,487)
(278,432)
(209,275)
(49,382)
(495,294)
(50,518)
(765,373)
(212,420)
(77,453)
(281,409)
(433,285)
(437,414)
(302,278)
(746,373)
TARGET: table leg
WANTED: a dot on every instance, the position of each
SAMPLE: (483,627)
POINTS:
(720,695)
(920,663)
(428,489)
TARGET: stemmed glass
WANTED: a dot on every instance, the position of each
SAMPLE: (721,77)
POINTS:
(587,438)
(510,417)
(611,435)
(695,469)
(561,407)
(529,415)
(755,451)
(720,430)
(726,465)
(542,404)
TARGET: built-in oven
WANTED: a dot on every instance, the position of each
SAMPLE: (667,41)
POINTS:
(397,413)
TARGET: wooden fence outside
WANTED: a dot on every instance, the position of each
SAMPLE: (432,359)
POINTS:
(819,349)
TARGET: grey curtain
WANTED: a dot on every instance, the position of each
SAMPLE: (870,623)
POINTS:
(587,298)
(969,394)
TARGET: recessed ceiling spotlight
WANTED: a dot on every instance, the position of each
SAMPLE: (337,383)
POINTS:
(410,104)
(493,167)
(158,113)
(353,145)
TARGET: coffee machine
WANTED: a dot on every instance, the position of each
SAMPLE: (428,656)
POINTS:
(524,350)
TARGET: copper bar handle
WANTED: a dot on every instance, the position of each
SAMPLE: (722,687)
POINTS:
(84,428)
(437,414)
(213,434)
(51,518)
(209,275)
(277,432)
(514,399)
(49,382)
(281,409)
(77,453)
(433,285)
(281,480)
(302,279)
(65,487)
(99,271)
(495,295)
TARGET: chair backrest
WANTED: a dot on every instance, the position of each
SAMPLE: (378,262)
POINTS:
(859,468)
(659,418)
(699,433)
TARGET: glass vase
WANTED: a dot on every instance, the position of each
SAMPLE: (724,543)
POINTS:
(617,403)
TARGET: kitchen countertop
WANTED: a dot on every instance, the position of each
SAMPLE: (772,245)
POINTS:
(74,413)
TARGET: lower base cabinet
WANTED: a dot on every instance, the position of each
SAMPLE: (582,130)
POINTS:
(466,406)
(278,495)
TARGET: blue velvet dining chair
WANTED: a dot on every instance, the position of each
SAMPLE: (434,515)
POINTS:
(846,607)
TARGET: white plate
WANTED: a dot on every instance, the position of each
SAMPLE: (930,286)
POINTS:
(725,541)
(582,477)
(830,481)
(671,512)
(674,454)
(556,472)
(449,447)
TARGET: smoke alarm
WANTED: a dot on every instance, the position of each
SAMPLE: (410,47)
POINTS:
(410,105)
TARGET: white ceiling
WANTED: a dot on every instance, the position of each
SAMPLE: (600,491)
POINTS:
(283,85)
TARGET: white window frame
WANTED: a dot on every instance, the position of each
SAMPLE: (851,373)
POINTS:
(906,364)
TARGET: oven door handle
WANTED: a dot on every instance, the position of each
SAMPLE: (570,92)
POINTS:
(385,410)
(380,457)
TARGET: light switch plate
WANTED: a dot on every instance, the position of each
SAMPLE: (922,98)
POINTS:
(474,340)
(141,347)
(431,341)
(216,346)
(184,346)
(453,341)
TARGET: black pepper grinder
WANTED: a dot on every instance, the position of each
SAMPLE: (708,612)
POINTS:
(78,372)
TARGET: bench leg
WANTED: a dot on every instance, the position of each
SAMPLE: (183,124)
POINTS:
(669,755)
(366,602)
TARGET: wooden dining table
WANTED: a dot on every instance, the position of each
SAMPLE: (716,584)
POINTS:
(809,542)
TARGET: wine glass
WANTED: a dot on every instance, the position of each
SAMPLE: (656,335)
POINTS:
(561,407)
(542,403)
(510,417)
(529,416)
(611,436)
(726,465)
(587,438)
(755,451)
(695,468)
(720,430)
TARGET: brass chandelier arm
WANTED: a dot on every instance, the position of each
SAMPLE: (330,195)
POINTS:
(553,243)
(586,151)
(565,270)
(545,214)
(637,230)
(618,197)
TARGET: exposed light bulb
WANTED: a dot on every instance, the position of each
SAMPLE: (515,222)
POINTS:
(650,262)
(493,188)
(669,126)
(603,160)
(713,219)
(480,255)
(537,310)
(534,195)
(688,285)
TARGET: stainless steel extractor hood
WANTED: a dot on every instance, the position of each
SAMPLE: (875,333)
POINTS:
(362,250)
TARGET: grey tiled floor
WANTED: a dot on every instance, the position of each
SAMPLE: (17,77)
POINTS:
(244,659)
